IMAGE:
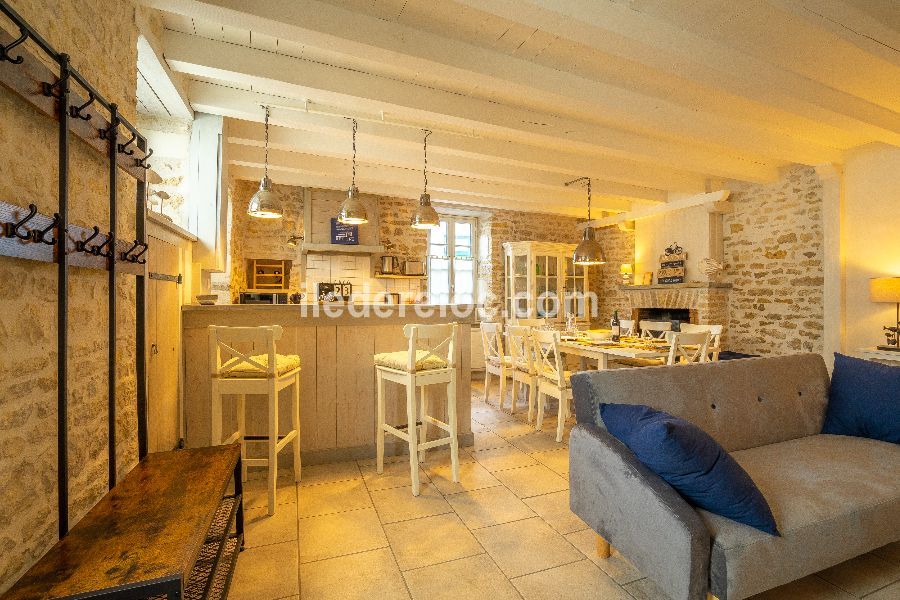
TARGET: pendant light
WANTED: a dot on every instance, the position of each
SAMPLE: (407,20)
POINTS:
(588,251)
(352,210)
(264,203)
(425,216)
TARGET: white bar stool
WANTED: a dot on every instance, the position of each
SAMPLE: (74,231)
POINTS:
(236,372)
(418,368)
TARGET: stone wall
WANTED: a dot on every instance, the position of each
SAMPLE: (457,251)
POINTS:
(170,139)
(773,255)
(618,244)
(101,37)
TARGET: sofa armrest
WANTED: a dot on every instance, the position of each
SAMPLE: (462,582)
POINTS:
(638,513)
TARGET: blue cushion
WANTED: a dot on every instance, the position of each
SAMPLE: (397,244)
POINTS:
(864,400)
(691,461)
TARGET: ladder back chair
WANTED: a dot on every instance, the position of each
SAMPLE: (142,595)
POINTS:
(496,362)
(715,342)
(687,348)
(626,327)
(654,329)
(430,359)
(553,380)
(259,371)
(524,371)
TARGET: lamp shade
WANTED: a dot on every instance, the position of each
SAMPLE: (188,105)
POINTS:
(264,203)
(588,251)
(884,289)
(626,269)
(425,216)
(352,211)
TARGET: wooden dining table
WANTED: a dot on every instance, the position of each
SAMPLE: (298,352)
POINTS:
(601,350)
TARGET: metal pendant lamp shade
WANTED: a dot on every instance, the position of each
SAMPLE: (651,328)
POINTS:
(264,204)
(353,212)
(425,216)
(588,252)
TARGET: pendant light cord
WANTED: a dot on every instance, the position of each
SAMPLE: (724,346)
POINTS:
(425,152)
(266,163)
(353,180)
(589,198)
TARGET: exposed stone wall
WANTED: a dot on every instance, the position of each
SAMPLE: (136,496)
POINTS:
(101,37)
(169,139)
(618,245)
(773,255)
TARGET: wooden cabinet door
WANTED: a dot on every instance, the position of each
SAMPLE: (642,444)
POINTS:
(164,335)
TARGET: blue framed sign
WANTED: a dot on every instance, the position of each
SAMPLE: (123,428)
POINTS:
(347,235)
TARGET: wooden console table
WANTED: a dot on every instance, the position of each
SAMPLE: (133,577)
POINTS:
(169,529)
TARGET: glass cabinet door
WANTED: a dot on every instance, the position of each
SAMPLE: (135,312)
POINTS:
(547,286)
(575,290)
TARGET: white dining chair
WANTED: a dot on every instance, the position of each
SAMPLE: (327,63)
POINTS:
(496,361)
(258,371)
(626,327)
(715,342)
(654,329)
(686,348)
(524,371)
(430,359)
(554,379)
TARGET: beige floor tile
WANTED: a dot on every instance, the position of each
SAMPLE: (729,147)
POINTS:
(430,540)
(498,459)
(261,530)
(537,441)
(525,547)
(616,566)
(266,573)
(576,581)
(491,416)
(472,476)
(556,460)
(396,474)
(554,508)
(478,427)
(891,592)
(644,589)
(327,498)
(486,440)
(808,588)
(362,576)
(532,480)
(510,429)
(890,553)
(472,578)
(398,504)
(439,458)
(256,494)
(488,506)
(316,474)
(862,575)
(343,533)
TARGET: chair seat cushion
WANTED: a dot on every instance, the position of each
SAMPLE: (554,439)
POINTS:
(241,369)
(834,497)
(400,360)
(551,375)
(691,461)
(506,361)
(864,400)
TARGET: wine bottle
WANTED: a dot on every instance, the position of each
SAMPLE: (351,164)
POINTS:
(616,328)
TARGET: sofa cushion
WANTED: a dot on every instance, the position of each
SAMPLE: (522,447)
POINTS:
(689,460)
(834,497)
(864,400)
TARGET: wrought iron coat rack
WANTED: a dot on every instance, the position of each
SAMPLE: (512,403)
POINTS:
(27,233)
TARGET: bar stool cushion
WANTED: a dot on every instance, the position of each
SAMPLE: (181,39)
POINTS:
(239,369)
(400,360)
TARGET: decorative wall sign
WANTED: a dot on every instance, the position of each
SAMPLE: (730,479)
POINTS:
(347,235)
(671,265)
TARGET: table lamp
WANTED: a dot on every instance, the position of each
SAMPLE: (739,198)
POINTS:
(626,270)
(887,289)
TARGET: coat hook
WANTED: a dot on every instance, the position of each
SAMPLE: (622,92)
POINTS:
(12,229)
(125,255)
(75,111)
(137,257)
(4,50)
(122,147)
(82,246)
(40,235)
(142,162)
(108,244)
(54,90)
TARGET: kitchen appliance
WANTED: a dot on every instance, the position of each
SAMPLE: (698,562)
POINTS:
(389,265)
(253,297)
(335,291)
(414,267)
(391,298)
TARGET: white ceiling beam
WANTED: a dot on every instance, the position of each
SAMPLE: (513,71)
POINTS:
(338,29)
(165,84)
(715,200)
(618,29)
(374,152)
(246,106)
(304,79)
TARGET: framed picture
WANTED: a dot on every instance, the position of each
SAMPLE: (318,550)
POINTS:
(344,234)
(648,278)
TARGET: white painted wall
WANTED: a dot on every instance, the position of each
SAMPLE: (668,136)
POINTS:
(690,227)
(870,239)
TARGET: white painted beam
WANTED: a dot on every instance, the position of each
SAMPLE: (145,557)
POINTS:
(715,200)
(304,79)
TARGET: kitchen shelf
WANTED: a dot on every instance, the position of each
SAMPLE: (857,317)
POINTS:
(341,249)
(382,276)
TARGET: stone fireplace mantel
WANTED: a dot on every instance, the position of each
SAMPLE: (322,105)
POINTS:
(677,286)
(707,300)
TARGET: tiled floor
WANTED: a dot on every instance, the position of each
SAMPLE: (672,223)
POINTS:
(504,531)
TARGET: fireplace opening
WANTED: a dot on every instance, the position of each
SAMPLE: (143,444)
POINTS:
(676,315)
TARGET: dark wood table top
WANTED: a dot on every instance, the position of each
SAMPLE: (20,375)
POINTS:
(151,526)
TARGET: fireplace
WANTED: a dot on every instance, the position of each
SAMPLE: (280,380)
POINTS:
(676,316)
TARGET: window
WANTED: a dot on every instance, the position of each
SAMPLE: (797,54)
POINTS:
(451,262)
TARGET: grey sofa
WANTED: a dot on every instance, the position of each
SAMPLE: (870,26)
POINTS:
(833,497)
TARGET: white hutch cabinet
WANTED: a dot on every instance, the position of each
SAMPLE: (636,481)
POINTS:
(541,281)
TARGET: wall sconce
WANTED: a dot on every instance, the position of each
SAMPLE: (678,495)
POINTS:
(627,271)
(293,240)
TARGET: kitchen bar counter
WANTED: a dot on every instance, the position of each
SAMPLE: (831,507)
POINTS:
(336,343)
